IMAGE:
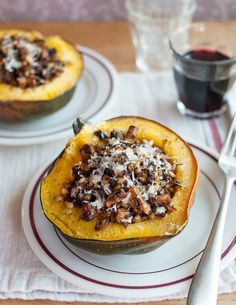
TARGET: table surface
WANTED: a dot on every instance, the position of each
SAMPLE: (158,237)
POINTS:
(118,49)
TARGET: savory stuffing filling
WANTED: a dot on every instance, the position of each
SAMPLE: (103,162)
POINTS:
(27,64)
(121,180)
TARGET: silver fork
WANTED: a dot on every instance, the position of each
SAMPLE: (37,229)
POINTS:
(203,290)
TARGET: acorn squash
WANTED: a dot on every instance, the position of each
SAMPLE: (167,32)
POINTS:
(18,103)
(115,238)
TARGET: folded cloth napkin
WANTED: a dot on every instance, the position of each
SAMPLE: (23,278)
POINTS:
(22,274)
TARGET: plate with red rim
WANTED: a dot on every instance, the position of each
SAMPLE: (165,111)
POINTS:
(166,270)
(97,86)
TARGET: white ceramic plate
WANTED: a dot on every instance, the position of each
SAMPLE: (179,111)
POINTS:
(166,270)
(97,86)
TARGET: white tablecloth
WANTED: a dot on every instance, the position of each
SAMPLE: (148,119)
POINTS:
(22,275)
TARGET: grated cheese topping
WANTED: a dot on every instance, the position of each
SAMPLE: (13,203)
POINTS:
(123,180)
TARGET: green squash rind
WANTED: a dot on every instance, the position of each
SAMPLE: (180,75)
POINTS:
(125,246)
(11,111)
(78,125)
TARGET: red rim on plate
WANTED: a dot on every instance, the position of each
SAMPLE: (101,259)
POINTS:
(103,283)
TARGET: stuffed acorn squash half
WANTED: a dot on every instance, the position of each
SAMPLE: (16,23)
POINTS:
(122,186)
(38,74)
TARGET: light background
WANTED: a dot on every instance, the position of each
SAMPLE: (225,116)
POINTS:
(17,10)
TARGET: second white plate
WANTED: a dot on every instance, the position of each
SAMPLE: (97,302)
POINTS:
(162,272)
(97,86)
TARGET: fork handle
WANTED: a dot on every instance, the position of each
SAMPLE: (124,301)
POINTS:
(204,286)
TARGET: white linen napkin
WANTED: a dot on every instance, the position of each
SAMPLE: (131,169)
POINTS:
(232,100)
(22,274)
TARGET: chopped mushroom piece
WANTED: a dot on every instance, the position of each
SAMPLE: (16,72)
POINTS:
(132,132)
(163,199)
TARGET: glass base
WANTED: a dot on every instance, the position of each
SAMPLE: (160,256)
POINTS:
(152,66)
(200,115)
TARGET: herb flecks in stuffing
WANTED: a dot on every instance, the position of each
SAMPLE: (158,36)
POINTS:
(27,63)
(122,180)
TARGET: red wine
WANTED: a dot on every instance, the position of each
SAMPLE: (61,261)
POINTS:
(206,92)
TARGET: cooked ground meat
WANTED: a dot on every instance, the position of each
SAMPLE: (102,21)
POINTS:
(27,64)
(122,180)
